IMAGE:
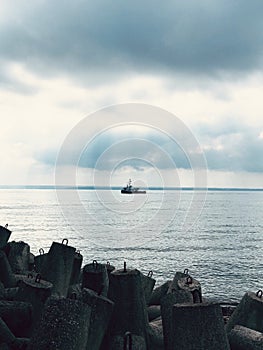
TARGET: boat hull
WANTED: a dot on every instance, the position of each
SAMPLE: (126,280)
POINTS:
(133,192)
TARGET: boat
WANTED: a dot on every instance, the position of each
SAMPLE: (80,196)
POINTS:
(129,189)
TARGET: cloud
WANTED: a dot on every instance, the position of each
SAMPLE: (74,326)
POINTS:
(199,60)
(228,146)
(12,80)
(121,148)
(232,146)
(104,39)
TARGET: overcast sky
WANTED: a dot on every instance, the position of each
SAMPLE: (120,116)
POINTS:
(199,60)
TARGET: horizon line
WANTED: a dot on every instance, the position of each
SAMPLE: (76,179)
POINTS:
(153,188)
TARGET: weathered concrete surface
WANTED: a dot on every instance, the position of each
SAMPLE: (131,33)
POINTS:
(101,311)
(17,315)
(148,284)
(6,336)
(95,277)
(153,311)
(156,340)
(130,313)
(183,281)
(7,276)
(39,260)
(58,266)
(120,343)
(167,302)
(2,291)
(198,326)
(77,262)
(10,293)
(64,325)
(242,338)
(34,291)
(9,341)
(249,313)
(158,293)
(18,256)
(4,236)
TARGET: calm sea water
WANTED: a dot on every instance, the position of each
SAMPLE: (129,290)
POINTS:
(162,231)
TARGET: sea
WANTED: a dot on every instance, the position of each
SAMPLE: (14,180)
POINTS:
(215,234)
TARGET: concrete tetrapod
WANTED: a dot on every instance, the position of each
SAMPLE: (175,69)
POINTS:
(64,326)
(183,281)
(95,277)
(242,338)
(249,313)
(10,293)
(130,313)
(109,267)
(17,315)
(58,266)
(198,327)
(148,284)
(158,293)
(2,291)
(128,342)
(153,311)
(156,341)
(7,276)
(78,258)
(8,338)
(101,311)
(18,255)
(39,260)
(4,236)
(167,302)
(178,275)
(35,291)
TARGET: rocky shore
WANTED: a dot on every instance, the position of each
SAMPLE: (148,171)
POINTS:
(50,301)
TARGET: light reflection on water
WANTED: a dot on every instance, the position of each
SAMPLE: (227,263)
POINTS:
(223,250)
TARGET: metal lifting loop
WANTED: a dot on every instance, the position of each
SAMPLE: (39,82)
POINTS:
(29,275)
(150,274)
(41,251)
(78,252)
(186,271)
(38,278)
(108,263)
(65,240)
(95,264)
(189,280)
(124,267)
(127,344)
(259,293)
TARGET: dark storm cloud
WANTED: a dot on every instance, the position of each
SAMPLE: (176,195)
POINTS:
(96,39)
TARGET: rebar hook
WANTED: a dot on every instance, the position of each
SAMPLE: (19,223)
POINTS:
(65,240)
(150,274)
(259,293)
(41,251)
(127,344)
(38,278)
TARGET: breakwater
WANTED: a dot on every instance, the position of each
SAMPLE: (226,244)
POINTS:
(50,301)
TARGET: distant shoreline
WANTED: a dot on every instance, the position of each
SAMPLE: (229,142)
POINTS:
(53,187)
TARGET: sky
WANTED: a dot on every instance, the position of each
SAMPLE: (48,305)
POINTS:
(65,62)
